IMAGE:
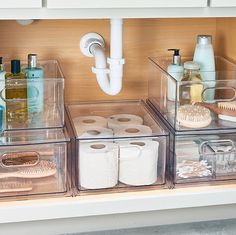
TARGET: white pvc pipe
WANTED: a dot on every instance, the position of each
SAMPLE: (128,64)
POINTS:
(116,45)
(112,85)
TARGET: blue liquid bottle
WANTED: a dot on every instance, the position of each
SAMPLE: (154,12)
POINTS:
(35,85)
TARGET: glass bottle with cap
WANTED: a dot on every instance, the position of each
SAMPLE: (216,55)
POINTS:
(191,84)
(35,85)
(16,95)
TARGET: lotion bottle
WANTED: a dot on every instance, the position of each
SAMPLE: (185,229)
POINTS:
(204,56)
(176,71)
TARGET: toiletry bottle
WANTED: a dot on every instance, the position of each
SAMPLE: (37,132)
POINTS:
(204,56)
(16,95)
(2,96)
(35,85)
(191,84)
(176,71)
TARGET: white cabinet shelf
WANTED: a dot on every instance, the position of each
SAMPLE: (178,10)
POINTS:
(124,3)
(20,4)
(122,210)
(107,13)
(223,3)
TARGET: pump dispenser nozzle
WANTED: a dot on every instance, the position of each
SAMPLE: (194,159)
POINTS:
(176,56)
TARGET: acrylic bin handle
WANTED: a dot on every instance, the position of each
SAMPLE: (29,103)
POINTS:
(19,159)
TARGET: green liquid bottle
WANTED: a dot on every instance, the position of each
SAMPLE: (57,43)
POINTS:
(16,96)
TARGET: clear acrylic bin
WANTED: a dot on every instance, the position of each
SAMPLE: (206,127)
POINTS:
(33,163)
(119,146)
(33,103)
(218,97)
(202,158)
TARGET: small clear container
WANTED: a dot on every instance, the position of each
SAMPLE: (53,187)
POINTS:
(43,104)
(120,146)
(202,158)
(34,163)
(215,111)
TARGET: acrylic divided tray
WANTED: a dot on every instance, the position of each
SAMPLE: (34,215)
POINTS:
(34,103)
(176,102)
(33,163)
(119,146)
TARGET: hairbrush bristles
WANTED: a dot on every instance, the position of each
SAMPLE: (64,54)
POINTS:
(231,106)
(42,169)
(18,185)
(193,116)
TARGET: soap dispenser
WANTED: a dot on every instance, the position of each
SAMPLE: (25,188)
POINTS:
(176,71)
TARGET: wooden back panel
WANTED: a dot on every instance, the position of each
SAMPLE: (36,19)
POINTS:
(59,39)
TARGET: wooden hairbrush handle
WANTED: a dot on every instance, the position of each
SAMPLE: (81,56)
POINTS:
(214,108)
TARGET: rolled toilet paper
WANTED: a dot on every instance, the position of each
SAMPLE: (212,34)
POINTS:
(123,119)
(138,162)
(98,165)
(83,121)
(132,130)
(89,132)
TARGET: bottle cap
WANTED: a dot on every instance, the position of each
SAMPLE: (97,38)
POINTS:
(15,66)
(191,65)
(32,60)
(176,56)
(204,39)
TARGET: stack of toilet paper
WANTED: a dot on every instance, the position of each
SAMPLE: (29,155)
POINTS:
(103,163)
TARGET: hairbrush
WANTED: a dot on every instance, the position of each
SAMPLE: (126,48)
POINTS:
(193,116)
(19,185)
(42,169)
(225,110)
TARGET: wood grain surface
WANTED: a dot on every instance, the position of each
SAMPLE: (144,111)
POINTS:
(59,39)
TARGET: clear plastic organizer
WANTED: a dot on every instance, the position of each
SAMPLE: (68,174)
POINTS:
(209,158)
(33,103)
(173,101)
(33,163)
(119,146)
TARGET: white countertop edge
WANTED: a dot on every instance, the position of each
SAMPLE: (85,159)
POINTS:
(116,203)
(45,13)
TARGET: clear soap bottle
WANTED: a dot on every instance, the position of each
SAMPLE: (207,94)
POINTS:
(16,95)
(191,84)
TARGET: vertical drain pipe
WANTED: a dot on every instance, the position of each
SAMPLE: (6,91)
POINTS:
(93,45)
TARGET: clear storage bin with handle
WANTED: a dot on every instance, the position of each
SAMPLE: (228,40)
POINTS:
(33,163)
(206,158)
(33,103)
(184,113)
(120,146)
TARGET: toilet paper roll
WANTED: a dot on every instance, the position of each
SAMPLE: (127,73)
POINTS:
(123,119)
(138,162)
(83,121)
(98,165)
(132,130)
(89,132)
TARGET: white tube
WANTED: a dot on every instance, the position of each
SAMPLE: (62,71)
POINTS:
(113,85)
